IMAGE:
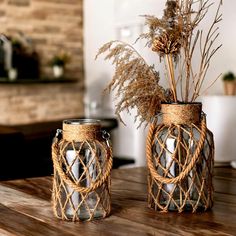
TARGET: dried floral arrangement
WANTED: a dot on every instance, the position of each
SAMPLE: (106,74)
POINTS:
(176,39)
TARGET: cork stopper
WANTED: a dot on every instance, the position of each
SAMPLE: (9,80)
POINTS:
(81,129)
(181,114)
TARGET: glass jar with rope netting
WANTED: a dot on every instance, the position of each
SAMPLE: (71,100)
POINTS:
(180,153)
(82,160)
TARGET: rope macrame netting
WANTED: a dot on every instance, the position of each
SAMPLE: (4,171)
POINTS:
(85,196)
(180,164)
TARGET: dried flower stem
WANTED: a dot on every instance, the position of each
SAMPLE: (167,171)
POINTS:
(186,47)
(207,52)
(171,75)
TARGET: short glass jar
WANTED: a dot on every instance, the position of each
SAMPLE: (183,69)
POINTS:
(82,163)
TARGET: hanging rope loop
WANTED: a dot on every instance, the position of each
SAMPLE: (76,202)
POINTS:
(185,171)
(57,150)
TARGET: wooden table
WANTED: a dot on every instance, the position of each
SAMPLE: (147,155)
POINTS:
(25,209)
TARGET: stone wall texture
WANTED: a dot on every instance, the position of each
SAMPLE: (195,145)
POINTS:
(53,26)
(22,104)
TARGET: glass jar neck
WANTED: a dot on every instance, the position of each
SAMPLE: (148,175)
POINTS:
(181,113)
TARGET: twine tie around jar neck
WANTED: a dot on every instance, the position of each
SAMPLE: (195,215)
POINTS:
(81,132)
(181,114)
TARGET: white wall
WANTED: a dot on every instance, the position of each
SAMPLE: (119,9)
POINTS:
(221,120)
(105,20)
(98,29)
(225,59)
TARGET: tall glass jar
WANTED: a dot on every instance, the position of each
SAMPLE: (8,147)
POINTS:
(180,153)
(82,164)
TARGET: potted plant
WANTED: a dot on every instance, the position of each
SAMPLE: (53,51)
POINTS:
(58,63)
(180,148)
(229,81)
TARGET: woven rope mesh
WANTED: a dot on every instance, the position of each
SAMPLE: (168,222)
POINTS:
(176,182)
(85,196)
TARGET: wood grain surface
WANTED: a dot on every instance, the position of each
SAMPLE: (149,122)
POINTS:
(25,210)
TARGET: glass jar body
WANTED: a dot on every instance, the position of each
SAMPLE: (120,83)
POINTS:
(172,150)
(83,167)
(82,163)
(180,158)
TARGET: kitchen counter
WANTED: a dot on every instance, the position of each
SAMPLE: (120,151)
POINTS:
(25,209)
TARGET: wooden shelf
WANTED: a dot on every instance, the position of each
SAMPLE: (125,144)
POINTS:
(38,81)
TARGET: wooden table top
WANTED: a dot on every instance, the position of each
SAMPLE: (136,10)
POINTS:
(25,209)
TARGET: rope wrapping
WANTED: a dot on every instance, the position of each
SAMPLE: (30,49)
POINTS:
(81,183)
(180,165)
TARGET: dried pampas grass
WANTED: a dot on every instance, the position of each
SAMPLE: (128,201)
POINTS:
(174,38)
(134,81)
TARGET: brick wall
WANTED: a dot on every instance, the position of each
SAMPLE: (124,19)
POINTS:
(22,104)
(53,26)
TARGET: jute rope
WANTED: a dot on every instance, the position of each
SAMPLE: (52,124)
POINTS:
(82,162)
(76,186)
(181,114)
(187,169)
(81,132)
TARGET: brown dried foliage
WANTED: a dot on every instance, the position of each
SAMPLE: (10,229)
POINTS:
(166,44)
(174,38)
(135,82)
